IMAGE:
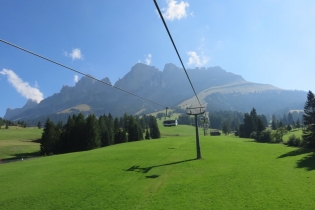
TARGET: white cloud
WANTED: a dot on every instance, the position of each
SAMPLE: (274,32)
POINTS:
(75,54)
(148,59)
(175,10)
(195,59)
(22,87)
(76,78)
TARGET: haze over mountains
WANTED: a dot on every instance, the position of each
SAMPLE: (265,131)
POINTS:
(216,88)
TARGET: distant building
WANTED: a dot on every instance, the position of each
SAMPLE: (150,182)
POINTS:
(215,132)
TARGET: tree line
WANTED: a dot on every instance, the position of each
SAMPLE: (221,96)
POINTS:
(81,134)
(254,126)
(8,123)
(257,127)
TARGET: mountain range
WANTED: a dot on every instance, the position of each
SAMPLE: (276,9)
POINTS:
(216,88)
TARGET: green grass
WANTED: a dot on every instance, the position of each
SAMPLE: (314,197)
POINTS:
(163,174)
(17,142)
(296,132)
(181,130)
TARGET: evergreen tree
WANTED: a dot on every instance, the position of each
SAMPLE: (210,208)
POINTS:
(103,131)
(309,120)
(92,139)
(284,120)
(254,116)
(68,135)
(249,125)
(6,126)
(260,126)
(110,129)
(78,133)
(1,122)
(280,124)
(154,129)
(263,119)
(135,132)
(116,131)
(119,132)
(49,138)
(242,133)
(184,119)
(290,119)
(39,125)
(226,128)
(298,123)
(274,123)
(147,135)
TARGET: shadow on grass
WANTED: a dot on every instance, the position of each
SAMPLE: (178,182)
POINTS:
(22,155)
(299,151)
(261,142)
(147,169)
(31,140)
(307,162)
(152,176)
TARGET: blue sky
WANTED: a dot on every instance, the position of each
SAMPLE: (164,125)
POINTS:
(265,41)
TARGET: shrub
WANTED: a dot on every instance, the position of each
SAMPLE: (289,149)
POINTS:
(265,136)
(295,141)
(253,135)
(278,134)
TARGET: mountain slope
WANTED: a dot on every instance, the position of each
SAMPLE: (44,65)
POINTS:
(169,87)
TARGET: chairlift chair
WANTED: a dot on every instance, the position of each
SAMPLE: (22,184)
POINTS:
(168,123)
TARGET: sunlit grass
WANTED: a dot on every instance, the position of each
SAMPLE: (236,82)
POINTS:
(17,142)
(163,174)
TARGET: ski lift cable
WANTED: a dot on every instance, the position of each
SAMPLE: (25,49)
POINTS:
(69,68)
(169,34)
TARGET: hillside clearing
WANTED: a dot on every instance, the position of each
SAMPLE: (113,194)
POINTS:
(233,174)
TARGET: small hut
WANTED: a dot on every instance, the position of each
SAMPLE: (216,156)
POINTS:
(215,132)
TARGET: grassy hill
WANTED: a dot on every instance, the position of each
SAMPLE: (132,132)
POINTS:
(78,108)
(163,174)
(241,87)
(17,142)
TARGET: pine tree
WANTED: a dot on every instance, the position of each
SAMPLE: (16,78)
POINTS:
(309,120)
(68,140)
(274,123)
(290,119)
(78,133)
(298,123)
(147,135)
(119,132)
(226,128)
(103,131)
(260,126)
(47,142)
(110,129)
(39,125)
(92,139)
(134,130)
(263,119)
(249,125)
(154,129)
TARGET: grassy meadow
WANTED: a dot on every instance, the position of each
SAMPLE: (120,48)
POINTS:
(17,142)
(164,174)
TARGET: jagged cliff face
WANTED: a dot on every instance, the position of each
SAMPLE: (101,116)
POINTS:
(10,113)
(169,87)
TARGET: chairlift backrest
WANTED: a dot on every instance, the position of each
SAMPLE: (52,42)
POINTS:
(170,122)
